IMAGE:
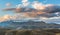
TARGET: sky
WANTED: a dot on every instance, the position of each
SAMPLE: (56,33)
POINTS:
(13,3)
(45,10)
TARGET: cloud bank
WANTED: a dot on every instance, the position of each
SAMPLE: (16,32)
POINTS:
(46,10)
(20,18)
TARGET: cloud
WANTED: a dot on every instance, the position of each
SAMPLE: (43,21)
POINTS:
(38,5)
(20,18)
(37,9)
(53,8)
(53,20)
(25,3)
(9,9)
(23,18)
(4,18)
(16,17)
(24,0)
(8,4)
(48,8)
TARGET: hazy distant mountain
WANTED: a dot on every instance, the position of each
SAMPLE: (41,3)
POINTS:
(28,25)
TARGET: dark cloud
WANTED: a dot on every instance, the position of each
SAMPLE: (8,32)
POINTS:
(9,9)
(53,9)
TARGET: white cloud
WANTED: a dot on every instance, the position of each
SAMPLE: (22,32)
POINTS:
(41,6)
(24,1)
(8,4)
(18,6)
(4,18)
(38,5)
(34,4)
(53,20)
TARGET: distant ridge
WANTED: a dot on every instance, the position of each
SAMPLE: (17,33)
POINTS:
(28,25)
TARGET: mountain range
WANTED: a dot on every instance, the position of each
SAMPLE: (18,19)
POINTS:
(28,25)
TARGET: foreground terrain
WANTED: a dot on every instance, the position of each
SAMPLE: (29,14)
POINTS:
(30,32)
